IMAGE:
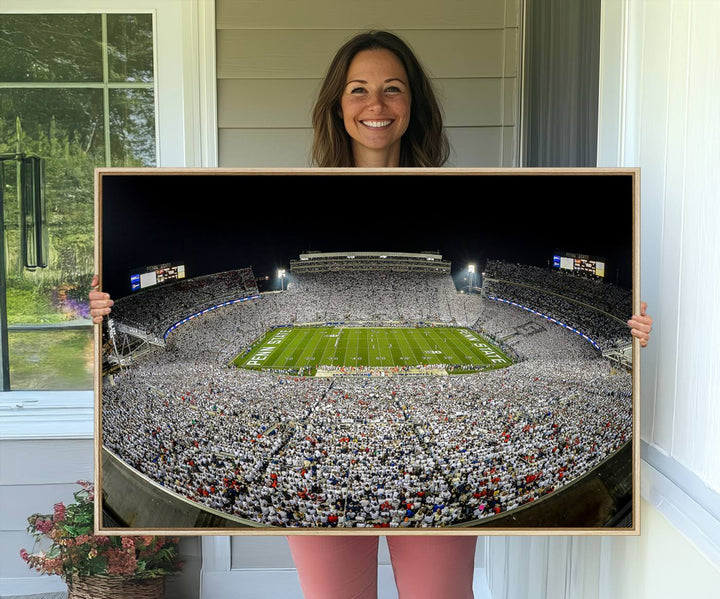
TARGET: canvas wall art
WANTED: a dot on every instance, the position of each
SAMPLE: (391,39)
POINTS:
(435,351)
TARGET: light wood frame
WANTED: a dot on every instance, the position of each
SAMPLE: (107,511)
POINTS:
(455,183)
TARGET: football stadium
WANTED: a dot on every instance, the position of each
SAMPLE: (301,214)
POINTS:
(371,390)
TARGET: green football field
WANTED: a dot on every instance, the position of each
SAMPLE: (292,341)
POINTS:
(386,348)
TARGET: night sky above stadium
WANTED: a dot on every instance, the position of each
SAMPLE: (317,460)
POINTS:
(217,222)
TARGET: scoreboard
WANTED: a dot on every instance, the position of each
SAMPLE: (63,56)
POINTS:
(157,274)
(580,263)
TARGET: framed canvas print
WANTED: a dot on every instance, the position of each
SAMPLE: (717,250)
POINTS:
(344,351)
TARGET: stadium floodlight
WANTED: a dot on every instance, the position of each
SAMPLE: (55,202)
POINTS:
(281,276)
(471,277)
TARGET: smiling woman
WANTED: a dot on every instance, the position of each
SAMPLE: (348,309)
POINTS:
(377,108)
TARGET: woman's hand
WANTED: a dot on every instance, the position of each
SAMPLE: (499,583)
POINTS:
(641,325)
(99,302)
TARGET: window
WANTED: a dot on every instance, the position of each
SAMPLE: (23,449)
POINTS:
(77,91)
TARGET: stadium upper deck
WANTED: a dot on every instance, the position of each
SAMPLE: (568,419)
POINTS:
(342,261)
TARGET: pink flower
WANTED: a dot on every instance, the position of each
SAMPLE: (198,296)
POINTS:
(128,543)
(121,562)
(24,555)
(44,526)
(53,565)
(59,512)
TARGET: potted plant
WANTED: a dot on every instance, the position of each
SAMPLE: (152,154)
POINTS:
(93,566)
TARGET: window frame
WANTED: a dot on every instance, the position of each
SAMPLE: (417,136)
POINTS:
(186,135)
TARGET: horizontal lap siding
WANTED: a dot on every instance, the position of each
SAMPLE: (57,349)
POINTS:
(357,14)
(54,467)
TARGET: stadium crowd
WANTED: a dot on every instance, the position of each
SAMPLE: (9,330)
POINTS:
(591,290)
(594,307)
(360,451)
(155,309)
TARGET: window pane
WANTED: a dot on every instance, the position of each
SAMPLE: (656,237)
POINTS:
(130,48)
(50,48)
(53,359)
(132,127)
(65,128)
(53,121)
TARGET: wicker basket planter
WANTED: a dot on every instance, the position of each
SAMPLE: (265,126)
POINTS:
(116,587)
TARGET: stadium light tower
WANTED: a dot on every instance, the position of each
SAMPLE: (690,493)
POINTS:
(281,276)
(471,277)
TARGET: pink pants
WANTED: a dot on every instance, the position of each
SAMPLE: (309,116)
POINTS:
(427,567)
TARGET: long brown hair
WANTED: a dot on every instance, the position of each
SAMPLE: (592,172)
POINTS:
(423,144)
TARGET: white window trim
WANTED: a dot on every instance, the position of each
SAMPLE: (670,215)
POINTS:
(186,124)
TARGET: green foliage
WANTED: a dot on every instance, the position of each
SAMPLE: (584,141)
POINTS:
(27,303)
(51,359)
(48,47)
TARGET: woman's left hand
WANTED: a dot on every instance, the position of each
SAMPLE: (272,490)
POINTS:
(641,325)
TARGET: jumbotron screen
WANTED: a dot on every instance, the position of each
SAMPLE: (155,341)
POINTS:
(157,274)
(580,263)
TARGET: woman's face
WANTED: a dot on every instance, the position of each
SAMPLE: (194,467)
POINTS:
(375,107)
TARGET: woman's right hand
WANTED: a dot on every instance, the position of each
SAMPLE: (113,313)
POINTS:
(100,302)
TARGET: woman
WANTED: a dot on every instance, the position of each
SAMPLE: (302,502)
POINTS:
(376,108)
